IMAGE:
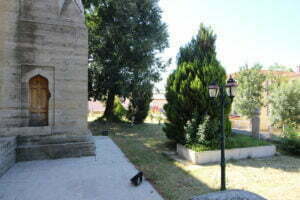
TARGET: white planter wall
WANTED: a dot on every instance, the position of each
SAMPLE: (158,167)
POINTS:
(230,154)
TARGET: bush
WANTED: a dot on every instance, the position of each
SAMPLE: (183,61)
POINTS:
(192,116)
(119,111)
(291,145)
(140,102)
(206,131)
(291,140)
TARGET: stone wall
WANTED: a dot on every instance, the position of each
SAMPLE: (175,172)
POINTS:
(47,38)
(9,76)
(7,153)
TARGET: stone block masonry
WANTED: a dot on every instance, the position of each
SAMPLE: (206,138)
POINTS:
(46,38)
(7,153)
(44,78)
(53,147)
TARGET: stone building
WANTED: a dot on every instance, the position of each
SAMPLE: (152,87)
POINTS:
(43,78)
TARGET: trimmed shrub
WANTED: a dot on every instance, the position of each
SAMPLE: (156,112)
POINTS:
(193,117)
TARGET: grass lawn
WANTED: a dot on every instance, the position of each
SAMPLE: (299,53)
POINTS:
(235,141)
(276,178)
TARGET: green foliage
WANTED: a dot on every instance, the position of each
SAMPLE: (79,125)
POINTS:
(89,3)
(140,102)
(187,89)
(205,131)
(124,40)
(249,92)
(201,48)
(285,104)
(236,141)
(227,127)
(208,130)
(277,67)
(201,132)
(119,111)
(291,140)
(291,145)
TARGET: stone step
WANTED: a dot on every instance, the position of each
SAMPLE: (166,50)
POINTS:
(51,139)
(7,153)
(54,147)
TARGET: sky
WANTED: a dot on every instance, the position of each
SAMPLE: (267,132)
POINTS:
(248,31)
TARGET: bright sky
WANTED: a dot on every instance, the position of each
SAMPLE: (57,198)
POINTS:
(248,31)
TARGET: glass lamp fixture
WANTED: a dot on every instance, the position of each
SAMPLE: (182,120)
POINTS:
(231,87)
(213,90)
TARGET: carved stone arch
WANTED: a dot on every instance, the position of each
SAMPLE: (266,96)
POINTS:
(64,4)
(28,72)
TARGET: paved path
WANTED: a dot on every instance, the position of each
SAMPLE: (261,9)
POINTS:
(104,178)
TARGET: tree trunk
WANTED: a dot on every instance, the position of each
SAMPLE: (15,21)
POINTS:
(255,124)
(283,129)
(109,109)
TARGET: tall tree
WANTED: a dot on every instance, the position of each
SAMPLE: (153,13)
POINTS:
(187,89)
(124,40)
(248,100)
(285,105)
(201,48)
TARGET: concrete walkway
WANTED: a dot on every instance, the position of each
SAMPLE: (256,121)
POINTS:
(105,177)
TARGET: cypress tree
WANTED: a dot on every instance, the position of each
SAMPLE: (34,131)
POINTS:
(187,89)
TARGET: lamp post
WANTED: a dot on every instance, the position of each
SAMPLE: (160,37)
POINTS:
(227,90)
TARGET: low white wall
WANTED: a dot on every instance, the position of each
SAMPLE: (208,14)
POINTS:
(7,153)
(230,154)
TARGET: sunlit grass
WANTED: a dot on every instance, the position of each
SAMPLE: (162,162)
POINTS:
(274,178)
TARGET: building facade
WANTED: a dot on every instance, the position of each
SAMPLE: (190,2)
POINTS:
(43,69)
(43,63)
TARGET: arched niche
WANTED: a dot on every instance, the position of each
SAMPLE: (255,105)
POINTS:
(39,96)
(28,73)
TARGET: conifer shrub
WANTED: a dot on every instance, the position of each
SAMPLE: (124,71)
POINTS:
(192,116)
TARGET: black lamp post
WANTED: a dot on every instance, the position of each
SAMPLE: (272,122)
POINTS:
(214,91)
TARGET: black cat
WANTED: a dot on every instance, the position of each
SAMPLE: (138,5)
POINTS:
(137,179)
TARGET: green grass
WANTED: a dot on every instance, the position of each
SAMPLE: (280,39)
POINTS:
(235,141)
(144,145)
